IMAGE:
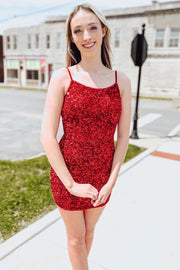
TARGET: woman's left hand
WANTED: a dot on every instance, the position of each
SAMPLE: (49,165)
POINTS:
(102,196)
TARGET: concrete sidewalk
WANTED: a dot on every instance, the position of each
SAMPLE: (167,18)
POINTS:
(138,230)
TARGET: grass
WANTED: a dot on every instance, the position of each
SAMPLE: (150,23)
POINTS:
(26,193)
(23,88)
(133,151)
(154,98)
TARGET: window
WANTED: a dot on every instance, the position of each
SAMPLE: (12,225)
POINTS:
(42,77)
(159,39)
(37,41)
(58,46)
(8,45)
(117,39)
(48,41)
(29,41)
(32,75)
(14,42)
(174,37)
(12,73)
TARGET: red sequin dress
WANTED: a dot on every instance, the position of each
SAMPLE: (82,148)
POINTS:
(89,117)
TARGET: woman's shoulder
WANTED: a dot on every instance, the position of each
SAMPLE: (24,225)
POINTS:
(123,81)
(60,77)
(59,81)
(122,76)
(59,74)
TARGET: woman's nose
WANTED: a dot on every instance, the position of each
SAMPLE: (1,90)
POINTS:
(86,35)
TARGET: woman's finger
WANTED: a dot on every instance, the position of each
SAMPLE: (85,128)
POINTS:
(97,202)
(94,190)
(92,196)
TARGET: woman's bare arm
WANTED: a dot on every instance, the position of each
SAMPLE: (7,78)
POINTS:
(123,129)
(50,123)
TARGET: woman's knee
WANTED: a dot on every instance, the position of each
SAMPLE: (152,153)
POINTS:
(76,241)
(89,233)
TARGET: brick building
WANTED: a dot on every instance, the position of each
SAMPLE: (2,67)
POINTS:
(32,53)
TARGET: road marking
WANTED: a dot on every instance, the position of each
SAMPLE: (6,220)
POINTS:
(146,119)
(174,131)
(142,121)
(166,155)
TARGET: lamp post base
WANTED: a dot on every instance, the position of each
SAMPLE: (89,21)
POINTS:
(134,134)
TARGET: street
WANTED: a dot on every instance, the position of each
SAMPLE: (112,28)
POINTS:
(21,115)
(158,118)
(142,220)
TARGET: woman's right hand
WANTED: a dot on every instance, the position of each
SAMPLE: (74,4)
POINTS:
(84,191)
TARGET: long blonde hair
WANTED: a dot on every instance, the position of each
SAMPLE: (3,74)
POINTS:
(73,55)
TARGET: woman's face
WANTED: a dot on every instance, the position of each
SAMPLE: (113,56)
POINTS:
(87,32)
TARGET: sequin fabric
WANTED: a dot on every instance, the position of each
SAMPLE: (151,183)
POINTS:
(89,117)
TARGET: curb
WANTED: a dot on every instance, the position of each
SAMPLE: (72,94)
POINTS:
(28,233)
(20,238)
(131,163)
(36,156)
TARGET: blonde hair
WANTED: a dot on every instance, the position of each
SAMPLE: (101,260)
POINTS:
(73,55)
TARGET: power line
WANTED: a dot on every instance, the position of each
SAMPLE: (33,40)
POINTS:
(37,11)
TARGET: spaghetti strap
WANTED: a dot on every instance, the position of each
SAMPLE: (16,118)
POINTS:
(69,74)
(115,76)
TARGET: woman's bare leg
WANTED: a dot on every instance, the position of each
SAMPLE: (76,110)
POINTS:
(91,217)
(75,228)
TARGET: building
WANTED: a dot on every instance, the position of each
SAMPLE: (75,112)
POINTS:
(31,54)
(1,60)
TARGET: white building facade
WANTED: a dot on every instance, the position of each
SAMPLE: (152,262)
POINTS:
(31,54)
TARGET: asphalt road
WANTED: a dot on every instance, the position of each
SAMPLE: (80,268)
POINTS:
(21,115)
(160,117)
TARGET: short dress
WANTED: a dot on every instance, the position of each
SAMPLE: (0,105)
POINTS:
(89,116)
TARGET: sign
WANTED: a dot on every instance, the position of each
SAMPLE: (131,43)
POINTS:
(139,50)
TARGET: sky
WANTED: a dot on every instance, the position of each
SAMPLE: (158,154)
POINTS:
(19,13)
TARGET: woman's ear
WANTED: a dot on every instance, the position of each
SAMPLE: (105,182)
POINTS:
(104,29)
(72,39)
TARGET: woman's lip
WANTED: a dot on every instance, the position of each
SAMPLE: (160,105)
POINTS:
(84,45)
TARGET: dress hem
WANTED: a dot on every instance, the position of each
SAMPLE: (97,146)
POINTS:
(101,205)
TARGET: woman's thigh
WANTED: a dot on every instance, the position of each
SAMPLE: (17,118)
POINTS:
(91,217)
(74,223)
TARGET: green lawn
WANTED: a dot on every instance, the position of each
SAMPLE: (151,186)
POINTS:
(26,193)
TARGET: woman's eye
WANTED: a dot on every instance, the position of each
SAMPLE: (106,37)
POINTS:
(93,28)
(77,31)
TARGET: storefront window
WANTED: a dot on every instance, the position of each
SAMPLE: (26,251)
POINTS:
(43,77)
(12,73)
(32,75)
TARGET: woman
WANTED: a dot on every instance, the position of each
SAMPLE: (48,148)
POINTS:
(92,99)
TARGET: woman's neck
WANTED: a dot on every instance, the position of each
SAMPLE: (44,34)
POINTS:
(91,64)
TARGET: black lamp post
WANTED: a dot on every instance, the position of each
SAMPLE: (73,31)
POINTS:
(139,54)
